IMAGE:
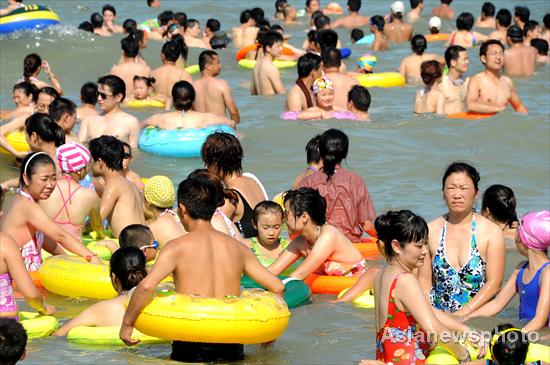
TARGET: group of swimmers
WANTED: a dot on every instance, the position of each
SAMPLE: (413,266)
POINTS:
(224,223)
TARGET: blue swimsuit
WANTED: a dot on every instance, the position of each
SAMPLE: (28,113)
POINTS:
(451,289)
(529,294)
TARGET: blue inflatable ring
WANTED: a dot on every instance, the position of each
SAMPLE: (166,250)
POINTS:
(179,142)
(28,17)
(345,52)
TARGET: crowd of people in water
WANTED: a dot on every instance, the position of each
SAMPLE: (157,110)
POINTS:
(219,222)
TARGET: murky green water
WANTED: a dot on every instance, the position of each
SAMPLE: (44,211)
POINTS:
(400,155)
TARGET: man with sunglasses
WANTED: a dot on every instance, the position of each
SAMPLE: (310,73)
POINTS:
(112,121)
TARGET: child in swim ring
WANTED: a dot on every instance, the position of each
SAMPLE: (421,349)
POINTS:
(531,278)
(143,90)
(323,90)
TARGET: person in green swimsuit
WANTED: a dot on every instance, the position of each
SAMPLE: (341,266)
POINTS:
(268,220)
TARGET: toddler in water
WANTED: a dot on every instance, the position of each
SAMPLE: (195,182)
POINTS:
(268,221)
(531,278)
(143,90)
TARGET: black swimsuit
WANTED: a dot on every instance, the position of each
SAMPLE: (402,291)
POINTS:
(245,223)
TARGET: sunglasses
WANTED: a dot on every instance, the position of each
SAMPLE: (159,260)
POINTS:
(103,95)
(154,244)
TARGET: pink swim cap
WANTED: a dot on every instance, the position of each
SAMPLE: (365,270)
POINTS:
(534,230)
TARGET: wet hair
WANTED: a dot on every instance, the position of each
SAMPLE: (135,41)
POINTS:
(27,88)
(511,347)
(312,150)
(354,5)
(88,93)
(448,2)
(224,151)
(180,41)
(257,14)
(61,106)
(321,21)
(333,148)
(307,63)
(171,51)
(213,24)
(546,21)
(485,46)
(331,57)
(269,39)
(313,36)
(115,83)
(31,64)
(109,150)
(327,38)
(419,44)
(165,17)
(501,203)
(378,22)
(31,163)
(280,5)
(465,21)
(403,226)
(315,14)
(522,12)
(458,167)
(135,235)
(430,71)
(97,20)
(360,97)
(223,193)
(128,154)
(45,128)
(180,18)
(246,15)
(307,200)
(356,34)
(190,23)
(183,95)
(453,53)
(206,58)
(277,28)
(13,340)
(265,207)
(415,3)
(504,17)
(515,34)
(529,26)
(149,81)
(86,26)
(130,45)
(540,45)
(263,28)
(128,266)
(48,90)
(488,9)
(199,196)
(129,25)
(108,7)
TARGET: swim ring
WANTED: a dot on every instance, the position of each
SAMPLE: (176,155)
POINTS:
(241,53)
(437,37)
(179,142)
(470,115)
(147,103)
(333,8)
(440,355)
(368,39)
(280,64)
(368,250)
(365,300)
(381,79)
(297,293)
(324,284)
(36,325)
(148,24)
(256,316)
(87,335)
(28,17)
(18,141)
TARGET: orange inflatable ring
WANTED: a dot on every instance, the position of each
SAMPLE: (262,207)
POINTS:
(241,53)
(470,115)
(437,37)
(368,250)
(324,284)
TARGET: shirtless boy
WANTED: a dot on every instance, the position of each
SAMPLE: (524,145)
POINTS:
(88,97)
(192,34)
(416,10)
(359,102)
(129,67)
(300,96)
(113,121)
(444,10)
(487,17)
(203,262)
(453,86)
(266,79)
(63,112)
(503,21)
(245,34)
(168,74)
(397,31)
(342,83)
(354,19)
(121,202)
(410,65)
(213,95)
(520,60)
(489,91)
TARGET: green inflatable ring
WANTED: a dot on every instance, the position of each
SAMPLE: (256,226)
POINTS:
(297,293)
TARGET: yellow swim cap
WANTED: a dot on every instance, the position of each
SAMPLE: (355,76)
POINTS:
(159,191)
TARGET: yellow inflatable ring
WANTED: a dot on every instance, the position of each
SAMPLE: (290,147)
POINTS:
(148,103)
(36,325)
(365,300)
(18,141)
(193,69)
(441,356)
(256,316)
(106,336)
(280,64)
(381,79)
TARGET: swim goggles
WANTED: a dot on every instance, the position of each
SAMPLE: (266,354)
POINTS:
(154,244)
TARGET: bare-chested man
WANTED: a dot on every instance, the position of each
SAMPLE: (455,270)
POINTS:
(183,95)
(342,83)
(410,65)
(453,86)
(397,31)
(531,30)
(121,202)
(503,21)
(129,67)
(245,34)
(192,35)
(519,60)
(444,10)
(487,17)
(300,97)
(113,121)
(168,74)
(416,10)
(204,262)
(354,19)
(88,97)
(97,22)
(489,91)
(164,19)
(109,18)
(266,79)
(213,95)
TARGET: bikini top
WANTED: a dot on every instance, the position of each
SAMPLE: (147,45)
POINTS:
(64,206)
